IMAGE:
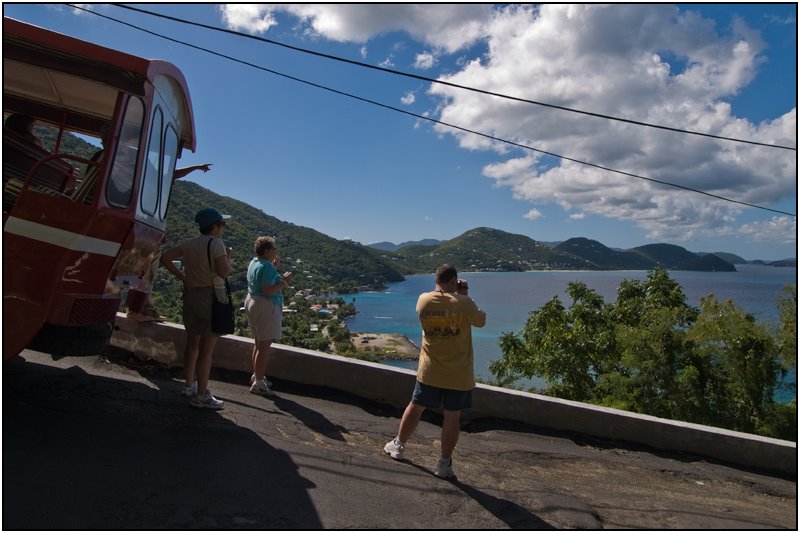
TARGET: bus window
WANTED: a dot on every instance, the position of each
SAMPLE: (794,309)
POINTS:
(170,158)
(120,183)
(150,188)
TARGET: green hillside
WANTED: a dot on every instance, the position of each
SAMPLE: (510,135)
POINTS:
(730,258)
(320,262)
(674,257)
(487,249)
(604,257)
(70,144)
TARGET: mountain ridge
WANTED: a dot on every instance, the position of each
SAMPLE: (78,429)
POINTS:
(323,263)
(726,256)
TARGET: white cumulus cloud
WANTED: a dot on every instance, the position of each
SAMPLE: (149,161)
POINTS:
(651,63)
(654,63)
(533,214)
(446,26)
(252,18)
(425,60)
(779,229)
(408,98)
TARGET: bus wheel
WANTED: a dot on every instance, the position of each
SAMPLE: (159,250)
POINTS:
(73,340)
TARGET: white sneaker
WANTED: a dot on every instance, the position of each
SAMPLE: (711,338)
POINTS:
(190,390)
(262,387)
(253,380)
(394,449)
(207,401)
(444,468)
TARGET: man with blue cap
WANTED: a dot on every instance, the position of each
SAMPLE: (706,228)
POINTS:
(204,258)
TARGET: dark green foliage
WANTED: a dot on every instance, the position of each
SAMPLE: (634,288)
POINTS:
(321,263)
(651,353)
(787,335)
(742,362)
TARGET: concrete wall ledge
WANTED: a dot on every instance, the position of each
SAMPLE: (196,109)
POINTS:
(164,342)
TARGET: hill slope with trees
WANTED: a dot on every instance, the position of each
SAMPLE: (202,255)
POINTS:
(321,263)
(487,249)
(604,257)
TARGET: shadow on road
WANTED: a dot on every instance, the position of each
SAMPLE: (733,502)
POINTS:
(512,514)
(87,452)
(312,419)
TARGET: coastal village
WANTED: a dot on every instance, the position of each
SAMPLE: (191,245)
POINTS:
(324,317)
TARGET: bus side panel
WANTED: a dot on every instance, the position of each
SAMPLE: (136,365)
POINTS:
(56,260)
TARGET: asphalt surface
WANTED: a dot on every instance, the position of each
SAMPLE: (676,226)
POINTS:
(108,443)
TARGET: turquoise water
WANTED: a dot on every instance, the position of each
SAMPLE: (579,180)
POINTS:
(509,297)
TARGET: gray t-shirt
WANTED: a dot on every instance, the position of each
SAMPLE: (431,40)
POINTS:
(196,267)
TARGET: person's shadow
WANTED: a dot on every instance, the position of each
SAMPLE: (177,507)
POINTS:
(99,453)
(514,515)
(312,419)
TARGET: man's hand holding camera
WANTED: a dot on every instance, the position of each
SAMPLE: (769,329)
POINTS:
(462,287)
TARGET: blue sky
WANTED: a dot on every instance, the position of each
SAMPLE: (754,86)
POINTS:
(357,171)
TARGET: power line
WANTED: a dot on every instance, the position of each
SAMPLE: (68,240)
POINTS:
(450,84)
(421,117)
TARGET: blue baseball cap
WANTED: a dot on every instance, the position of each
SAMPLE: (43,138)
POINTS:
(208,216)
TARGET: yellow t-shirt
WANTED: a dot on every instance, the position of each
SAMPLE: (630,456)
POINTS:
(445,359)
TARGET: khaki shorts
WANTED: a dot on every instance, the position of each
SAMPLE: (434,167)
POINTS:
(197,311)
(264,317)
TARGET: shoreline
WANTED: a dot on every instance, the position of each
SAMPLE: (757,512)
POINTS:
(394,346)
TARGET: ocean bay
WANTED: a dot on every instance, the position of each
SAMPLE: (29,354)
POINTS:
(509,297)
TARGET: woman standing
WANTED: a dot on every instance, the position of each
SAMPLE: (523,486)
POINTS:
(203,258)
(264,306)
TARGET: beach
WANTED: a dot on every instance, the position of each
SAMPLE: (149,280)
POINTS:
(389,345)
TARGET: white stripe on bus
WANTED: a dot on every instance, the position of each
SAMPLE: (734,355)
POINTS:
(60,237)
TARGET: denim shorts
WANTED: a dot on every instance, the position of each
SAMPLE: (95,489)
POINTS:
(435,397)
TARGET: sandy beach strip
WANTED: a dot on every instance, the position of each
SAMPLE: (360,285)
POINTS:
(388,345)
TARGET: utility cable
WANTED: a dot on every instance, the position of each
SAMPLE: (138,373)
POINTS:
(421,117)
(449,84)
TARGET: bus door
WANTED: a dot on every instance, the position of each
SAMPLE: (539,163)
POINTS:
(138,260)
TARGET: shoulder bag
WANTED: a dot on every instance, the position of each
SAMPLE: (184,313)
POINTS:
(222,322)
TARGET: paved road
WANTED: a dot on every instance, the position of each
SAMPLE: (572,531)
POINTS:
(107,443)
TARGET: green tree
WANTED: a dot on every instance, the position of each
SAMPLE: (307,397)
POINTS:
(742,362)
(567,347)
(650,352)
(657,373)
(340,336)
(787,334)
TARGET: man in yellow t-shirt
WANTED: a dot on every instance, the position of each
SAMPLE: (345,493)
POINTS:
(445,375)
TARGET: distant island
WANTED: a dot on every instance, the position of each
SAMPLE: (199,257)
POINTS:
(392,247)
(487,249)
(598,256)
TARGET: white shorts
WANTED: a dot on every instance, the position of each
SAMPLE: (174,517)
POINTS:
(264,317)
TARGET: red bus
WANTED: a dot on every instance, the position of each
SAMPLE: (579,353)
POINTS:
(80,233)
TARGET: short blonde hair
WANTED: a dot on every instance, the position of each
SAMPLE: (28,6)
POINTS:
(263,244)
